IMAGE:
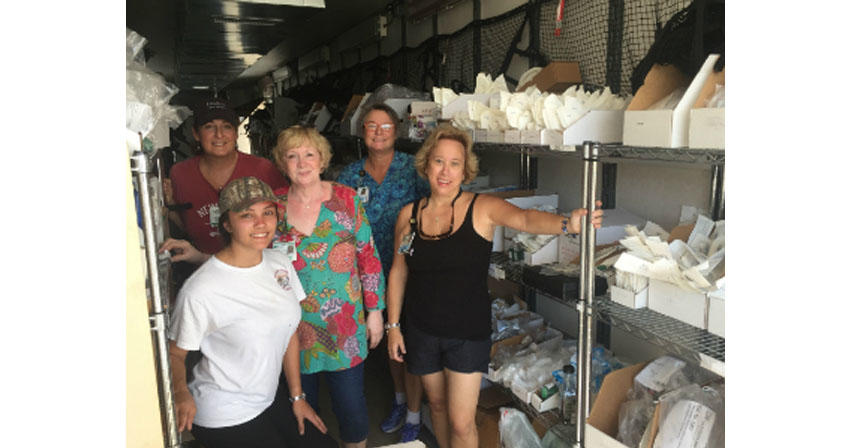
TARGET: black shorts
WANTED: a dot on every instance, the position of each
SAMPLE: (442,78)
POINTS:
(429,354)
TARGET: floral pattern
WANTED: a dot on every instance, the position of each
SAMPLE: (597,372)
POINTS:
(400,186)
(340,270)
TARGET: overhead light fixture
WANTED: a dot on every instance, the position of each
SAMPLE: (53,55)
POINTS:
(200,87)
(246,20)
(306,3)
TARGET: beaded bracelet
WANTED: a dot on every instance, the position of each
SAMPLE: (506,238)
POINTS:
(564,223)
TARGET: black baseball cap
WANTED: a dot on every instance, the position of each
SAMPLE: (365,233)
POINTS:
(213,109)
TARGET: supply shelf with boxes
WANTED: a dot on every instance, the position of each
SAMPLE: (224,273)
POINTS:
(695,345)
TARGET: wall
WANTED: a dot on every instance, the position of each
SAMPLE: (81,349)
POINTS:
(653,190)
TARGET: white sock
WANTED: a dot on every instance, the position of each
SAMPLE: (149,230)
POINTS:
(400,398)
(413,417)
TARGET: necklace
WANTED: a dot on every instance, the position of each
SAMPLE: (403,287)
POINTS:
(451,225)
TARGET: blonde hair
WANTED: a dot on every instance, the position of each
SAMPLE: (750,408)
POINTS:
(448,132)
(296,136)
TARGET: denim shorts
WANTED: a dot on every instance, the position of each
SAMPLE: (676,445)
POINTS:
(348,400)
(429,354)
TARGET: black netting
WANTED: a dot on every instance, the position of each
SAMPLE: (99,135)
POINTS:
(641,22)
(456,54)
(496,38)
(609,39)
(584,32)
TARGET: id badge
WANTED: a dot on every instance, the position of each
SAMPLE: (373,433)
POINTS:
(363,192)
(287,247)
(215,214)
(406,246)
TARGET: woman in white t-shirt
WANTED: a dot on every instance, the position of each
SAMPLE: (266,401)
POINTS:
(241,309)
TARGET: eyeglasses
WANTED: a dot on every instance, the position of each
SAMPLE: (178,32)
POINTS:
(372,127)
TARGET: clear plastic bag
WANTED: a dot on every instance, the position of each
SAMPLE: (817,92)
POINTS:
(515,431)
(635,416)
(691,417)
(556,437)
(147,96)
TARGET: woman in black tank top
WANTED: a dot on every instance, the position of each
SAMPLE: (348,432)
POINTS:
(439,274)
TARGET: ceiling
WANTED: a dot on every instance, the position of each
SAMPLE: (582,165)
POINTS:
(201,45)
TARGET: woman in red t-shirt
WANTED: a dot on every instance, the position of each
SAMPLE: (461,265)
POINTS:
(195,183)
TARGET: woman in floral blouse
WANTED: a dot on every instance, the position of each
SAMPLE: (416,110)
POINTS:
(325,231)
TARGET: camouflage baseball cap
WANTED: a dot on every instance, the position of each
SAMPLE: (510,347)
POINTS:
(244,192)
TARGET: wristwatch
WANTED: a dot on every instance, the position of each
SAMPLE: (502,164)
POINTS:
(298,397)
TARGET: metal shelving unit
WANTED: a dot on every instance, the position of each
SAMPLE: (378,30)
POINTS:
(690,343)
(612,152)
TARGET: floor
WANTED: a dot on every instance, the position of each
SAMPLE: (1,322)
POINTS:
(379,393)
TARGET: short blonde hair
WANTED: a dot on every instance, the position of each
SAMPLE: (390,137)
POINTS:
(296,136)
(448,132)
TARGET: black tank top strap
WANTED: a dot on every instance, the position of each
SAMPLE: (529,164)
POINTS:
(468,217)
(413,214)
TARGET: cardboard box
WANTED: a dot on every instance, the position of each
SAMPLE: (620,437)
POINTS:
(690,307)
(353,104)
(663,128)
(555,77)
(352,124)
(487,416)
(603,421)
(634,300)
(707,128)
(502,288)
(717,312)
(601,126)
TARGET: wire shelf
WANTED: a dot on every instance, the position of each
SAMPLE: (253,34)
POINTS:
(690,343)
(613,152)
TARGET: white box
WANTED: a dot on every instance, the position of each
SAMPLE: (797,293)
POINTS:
(541,405)
(513,136)
(634,300)
(569,247)
(663,128)
(717,313)
(601,126)
(690,307)
(523,394)
(552,138)
(546,254)
(530,137)
(708,128)
(494,136)
(423,108)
